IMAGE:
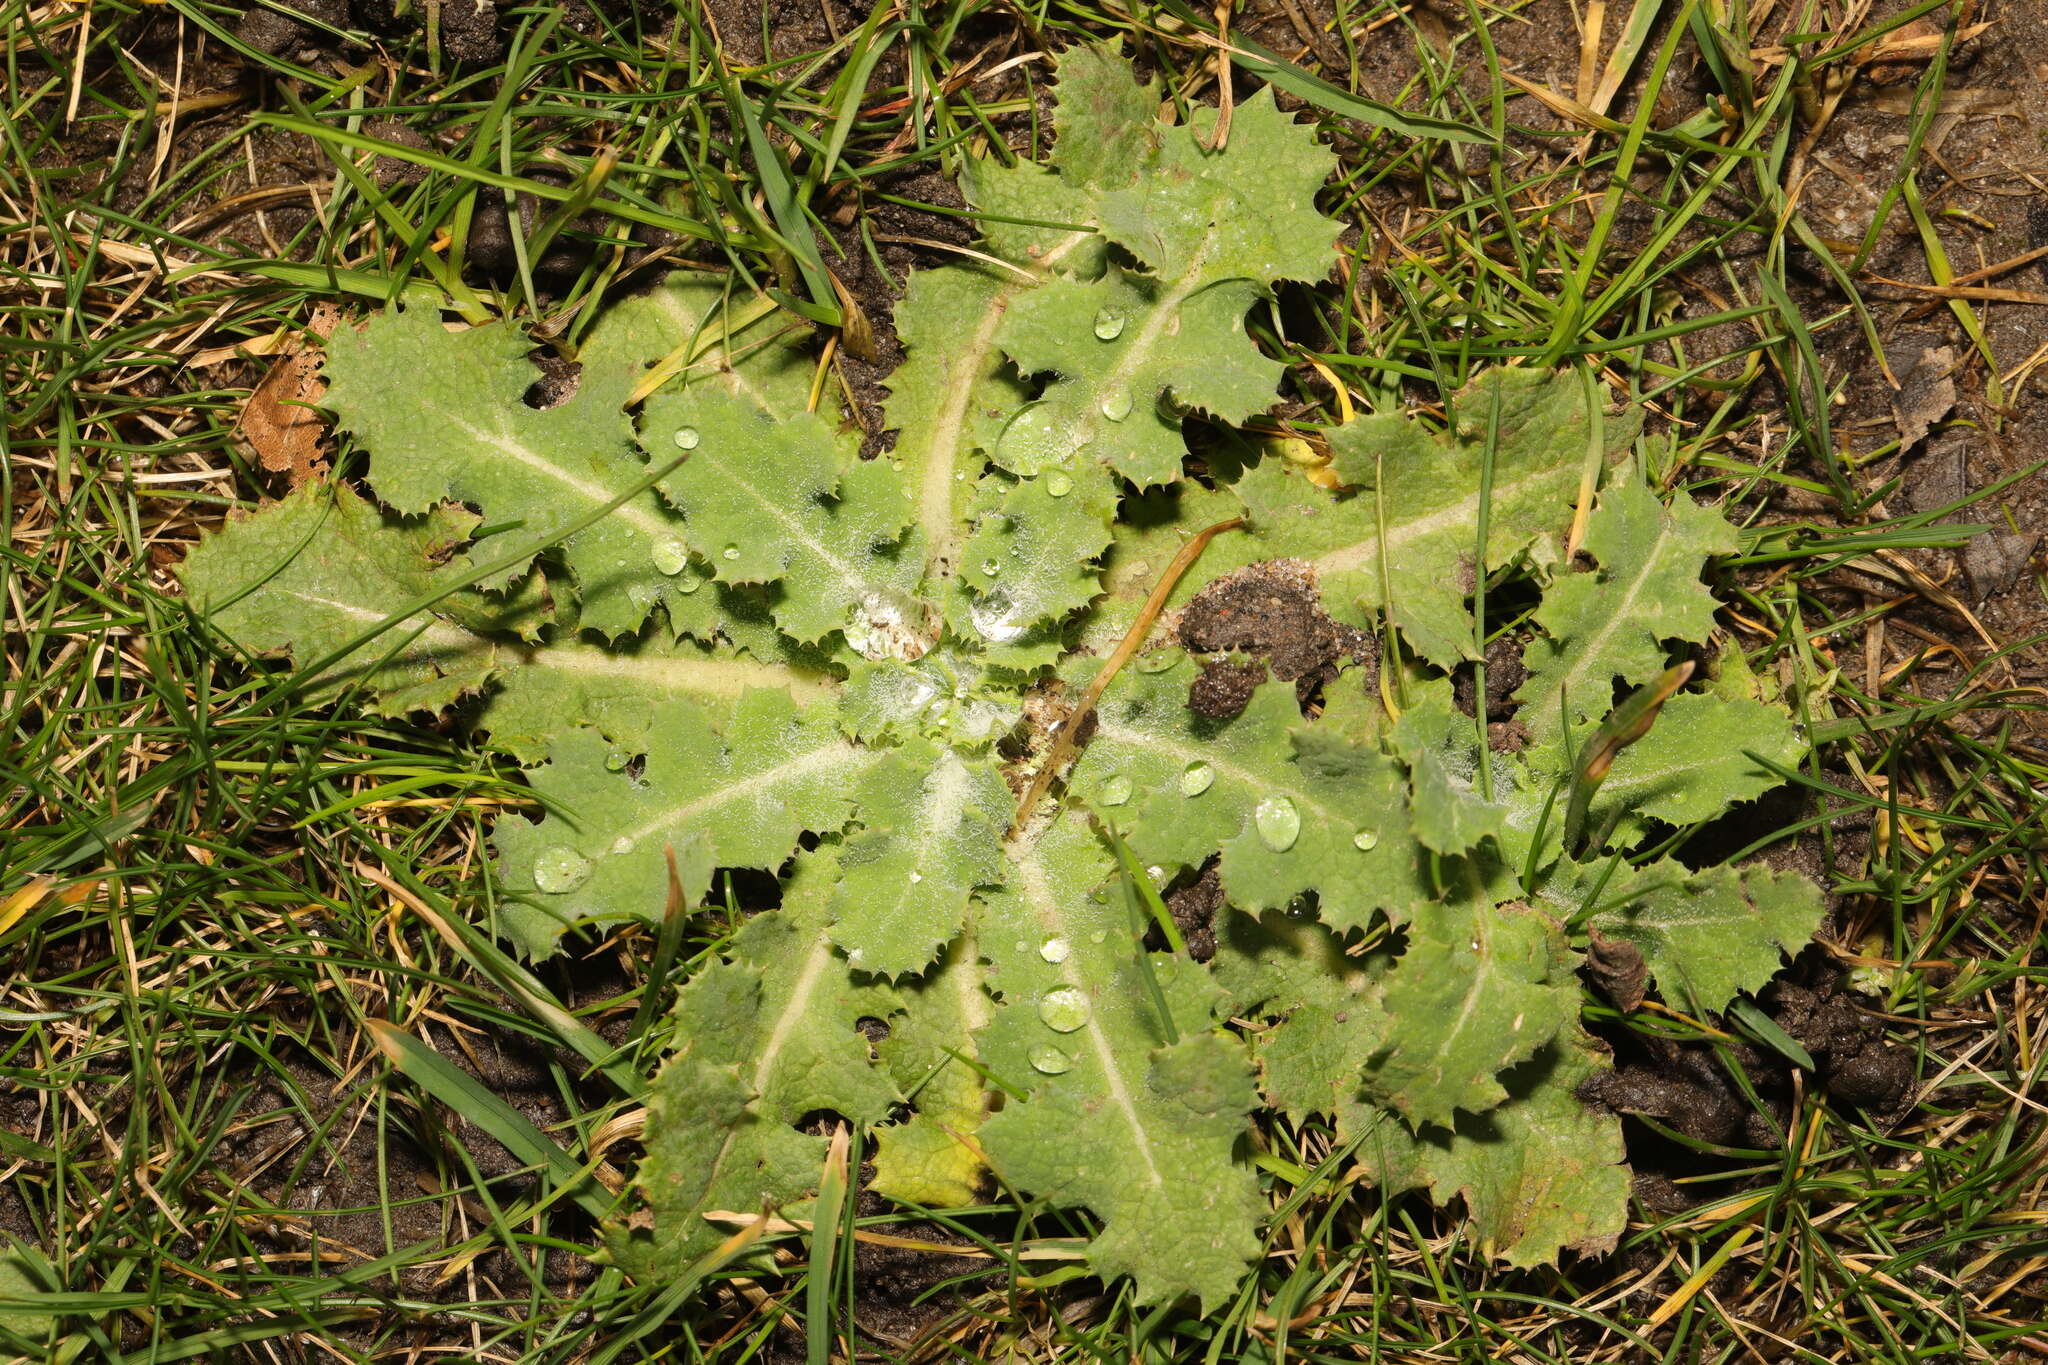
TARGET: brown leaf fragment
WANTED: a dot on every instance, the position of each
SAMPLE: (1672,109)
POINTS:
(1616,967)
(280,421)
(1995,560)
(1927,389)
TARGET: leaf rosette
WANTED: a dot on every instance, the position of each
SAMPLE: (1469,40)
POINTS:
(773,654)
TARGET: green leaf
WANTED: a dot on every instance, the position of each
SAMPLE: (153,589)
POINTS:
(763,1041)
(771,500)
(311,573)
(1441,748)
(932,1157)
(1540,1173)
(1293,806)
(1201,216)
(1114,1118)
(465,434)
(1694,763)
(545,690)
(1707,936)
(1031,560)
(740,791)
(1616,623)
(1479,988)
(1425,491)
(1131,353)
(1323,1001)
(931,834)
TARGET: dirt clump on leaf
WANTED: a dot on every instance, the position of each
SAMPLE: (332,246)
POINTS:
(1273,613)
(1195,907)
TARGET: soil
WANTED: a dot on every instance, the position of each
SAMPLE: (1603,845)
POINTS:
(1195,907)
(1689,1088)
(1272,613)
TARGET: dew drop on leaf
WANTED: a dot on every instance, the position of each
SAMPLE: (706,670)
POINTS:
(991,567)
(558,870)
(1063,1009)
(670,556)
(1115,790)
(1049,1059)
(1053,950)
(995,617)
(689,584)
(615,762)
(1109,324)
(1278,823)
(1366,840)
(1158,661)
(622,844)
(1117,406)
(687,438)
(1098,936)
(1195,778)
(1058,485)
(731,552)
(916,877)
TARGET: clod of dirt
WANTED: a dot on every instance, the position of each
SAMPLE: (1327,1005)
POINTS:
(1857,1065)
(1224,689)
(490,232)
(1273,612)
(276,32)
(1195,908)
(391,172)
(1616,967)
(1685,1090)
(556,383)
(1505,674)
(1927,387)
(1995,560)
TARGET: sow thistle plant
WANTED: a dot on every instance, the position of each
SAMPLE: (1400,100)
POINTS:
(873,679)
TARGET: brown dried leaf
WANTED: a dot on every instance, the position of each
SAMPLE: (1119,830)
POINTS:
(280,421)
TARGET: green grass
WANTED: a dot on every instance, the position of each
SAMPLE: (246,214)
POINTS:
(225,910)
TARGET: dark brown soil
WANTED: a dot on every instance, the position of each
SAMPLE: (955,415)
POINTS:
(1272,613)
(1688,1088)
(1195,907)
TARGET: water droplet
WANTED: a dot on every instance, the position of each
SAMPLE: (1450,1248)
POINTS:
(1064,1009)
(1109,324)
(1196,778)
(916,877)
(856,957)
(1098,936)
(558,870)
(1366,840)
(687,438)
(731,552)
(996,617)
(1053,950)
(1058,485)
(670,556)
(1278,823)
(1158,661)
(1049,1059)
(614,762)
(896,465)
(1114,791)
(1117,406)
(1157,874)
(622,844)
(991,567)
(689,585)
